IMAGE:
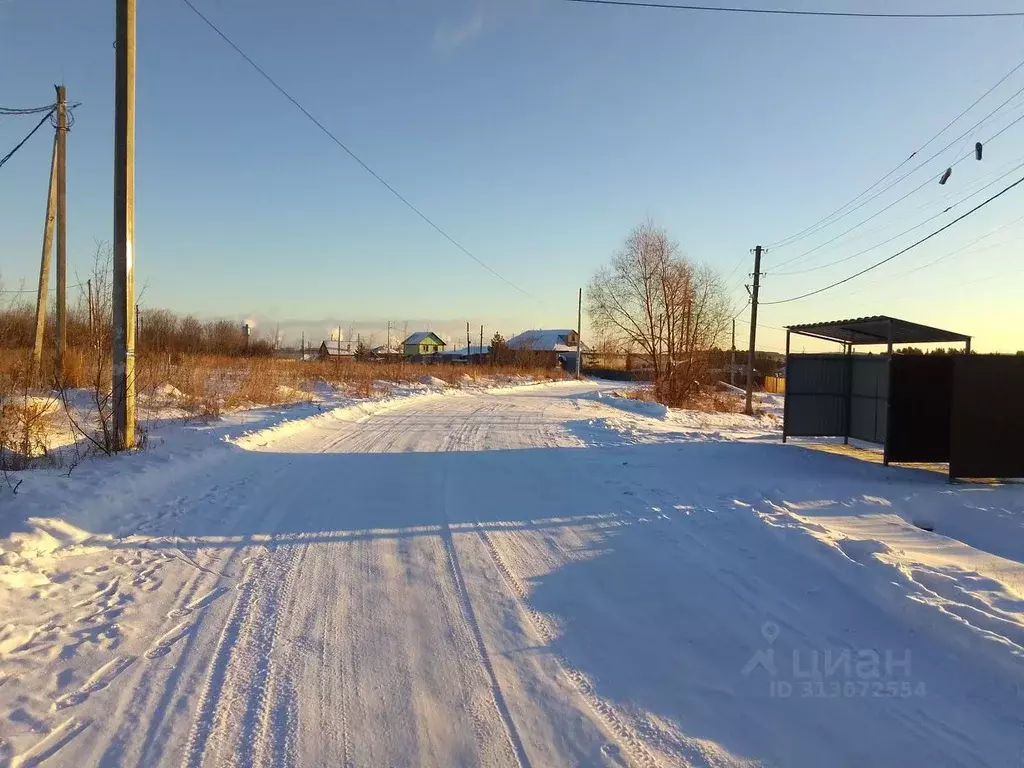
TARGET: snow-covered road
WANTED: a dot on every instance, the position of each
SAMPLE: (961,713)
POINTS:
(531,577)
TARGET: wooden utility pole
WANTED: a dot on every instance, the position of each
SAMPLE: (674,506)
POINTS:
(302,348)
(481,343)
(62,229)
(44,268)
(124,227)
(579,328)
(749,410)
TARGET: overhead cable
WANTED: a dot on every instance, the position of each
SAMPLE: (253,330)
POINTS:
(789,12)
(814,227)
(945,210)
(886,260)
(326,131)
(919,187)
(21,143)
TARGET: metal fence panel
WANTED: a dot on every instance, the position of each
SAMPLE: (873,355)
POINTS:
(919,408)
(869,390)
(987,417)
(816,395)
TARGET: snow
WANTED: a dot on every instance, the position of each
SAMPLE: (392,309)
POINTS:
(535,575)
(546,340)
(170,392)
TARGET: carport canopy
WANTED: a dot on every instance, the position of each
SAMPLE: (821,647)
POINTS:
(879,329)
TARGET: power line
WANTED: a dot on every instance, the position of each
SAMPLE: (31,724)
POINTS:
(761,325)
(924,239)
(787,12)
(20,144)
(946,210)
(740,263)
(947,256)
(808,231)
(350,153)
(28,111)
(919,187)
(34,290)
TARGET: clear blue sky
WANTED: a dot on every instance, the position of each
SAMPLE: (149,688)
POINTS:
(536,132)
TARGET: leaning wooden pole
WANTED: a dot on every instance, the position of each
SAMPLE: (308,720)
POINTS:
(44,269)
(124,228)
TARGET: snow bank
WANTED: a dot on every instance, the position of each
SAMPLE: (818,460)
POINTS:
(170,392)
(647,408)
(433,382)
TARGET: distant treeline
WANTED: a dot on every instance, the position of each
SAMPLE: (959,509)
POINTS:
(158,330)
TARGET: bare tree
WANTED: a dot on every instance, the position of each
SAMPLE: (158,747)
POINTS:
(650,299)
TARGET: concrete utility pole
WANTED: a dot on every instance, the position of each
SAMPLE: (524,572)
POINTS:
(62,228)
(481,343)
(469,344)
(579,338)
(388,347)
(124,227)
(732,355)
(44,268)
(749,410)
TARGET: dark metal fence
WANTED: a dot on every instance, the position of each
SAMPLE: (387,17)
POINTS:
(869,393)
(920,403)
(817,396)
(987,424)
(836,396)
(967,410)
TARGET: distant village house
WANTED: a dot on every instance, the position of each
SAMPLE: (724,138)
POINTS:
(555,347)
(331,349)
(423,344)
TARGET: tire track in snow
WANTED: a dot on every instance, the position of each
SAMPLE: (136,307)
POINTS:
(473,627)
(242,634)
(460,437)
(333,698)
(275,718)
(626,737)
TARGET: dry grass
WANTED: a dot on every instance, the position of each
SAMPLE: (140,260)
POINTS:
(702,399)
(209,385)
(26,424)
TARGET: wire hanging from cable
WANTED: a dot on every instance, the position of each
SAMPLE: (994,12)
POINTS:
(919,187)
(946,210)
(808,231)
(924,239)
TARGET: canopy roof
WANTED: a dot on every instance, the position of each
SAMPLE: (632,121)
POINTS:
(879,329)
